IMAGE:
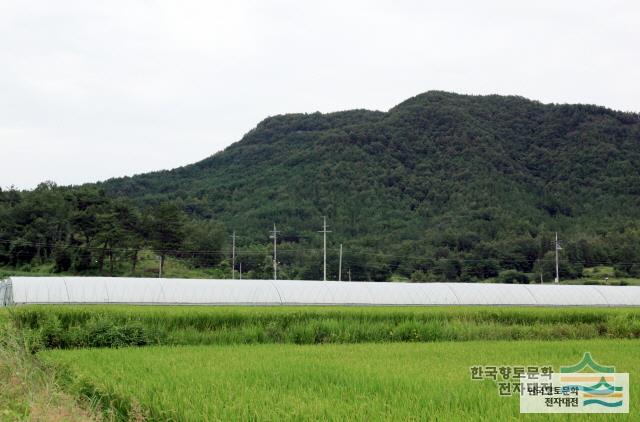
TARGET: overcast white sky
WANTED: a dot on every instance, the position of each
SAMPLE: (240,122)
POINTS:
(96,89)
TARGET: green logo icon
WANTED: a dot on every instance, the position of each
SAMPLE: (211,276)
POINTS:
(588,362)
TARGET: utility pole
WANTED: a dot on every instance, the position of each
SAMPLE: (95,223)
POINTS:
(160,268)
(340,265)
(241,271)
(274,236)
(233,255)
(349,273)
(557,266)
(324,233)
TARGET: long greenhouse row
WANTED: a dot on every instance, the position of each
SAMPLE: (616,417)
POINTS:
(107,290)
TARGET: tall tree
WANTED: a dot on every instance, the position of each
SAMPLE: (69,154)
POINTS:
(166,230)
(204,241)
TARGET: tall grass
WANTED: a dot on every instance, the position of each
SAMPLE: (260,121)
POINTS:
(100,326)
(29,391)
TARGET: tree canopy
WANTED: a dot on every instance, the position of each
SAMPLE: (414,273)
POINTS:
(440,187)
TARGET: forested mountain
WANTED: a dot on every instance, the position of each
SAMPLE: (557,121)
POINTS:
(442,186)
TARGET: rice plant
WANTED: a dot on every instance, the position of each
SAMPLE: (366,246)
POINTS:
(393,381)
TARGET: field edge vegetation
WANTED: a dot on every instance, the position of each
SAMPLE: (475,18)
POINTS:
(64,327)
(28,389)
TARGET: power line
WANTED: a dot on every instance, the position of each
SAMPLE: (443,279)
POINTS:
(363,270)
(226,252)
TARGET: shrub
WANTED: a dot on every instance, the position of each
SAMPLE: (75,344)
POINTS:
(52,334)
(620,283)
(513,277)
(96,332)
(62,258)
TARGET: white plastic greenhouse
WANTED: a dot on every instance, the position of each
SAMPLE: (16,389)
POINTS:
(105,290)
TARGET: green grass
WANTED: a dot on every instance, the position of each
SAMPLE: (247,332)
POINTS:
(397,381)
(599,272)
(91,326)
(6,272)
(605,275)
(29,391)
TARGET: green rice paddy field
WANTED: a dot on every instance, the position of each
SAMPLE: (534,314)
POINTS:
(315,363)
(396,381)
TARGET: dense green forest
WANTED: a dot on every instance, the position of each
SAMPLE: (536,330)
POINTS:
(440,187)
(85,231)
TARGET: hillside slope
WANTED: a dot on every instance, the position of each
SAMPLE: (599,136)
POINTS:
(438,174)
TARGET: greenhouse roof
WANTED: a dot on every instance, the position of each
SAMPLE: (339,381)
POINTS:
(106,290)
